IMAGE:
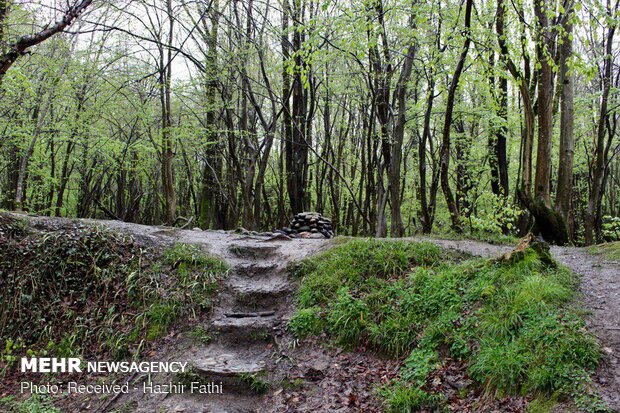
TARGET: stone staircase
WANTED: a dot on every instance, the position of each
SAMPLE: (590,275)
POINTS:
(252,308)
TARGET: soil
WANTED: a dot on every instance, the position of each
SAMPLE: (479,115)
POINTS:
(250,344)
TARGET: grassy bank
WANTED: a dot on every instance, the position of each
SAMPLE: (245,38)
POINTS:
(609,251)
(505,328)
(83,290)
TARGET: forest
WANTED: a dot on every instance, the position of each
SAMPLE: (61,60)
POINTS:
(391,117)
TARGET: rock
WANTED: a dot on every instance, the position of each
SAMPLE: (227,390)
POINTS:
(278,237)
(314,374)
(196,229)
(312,222)
(316,235)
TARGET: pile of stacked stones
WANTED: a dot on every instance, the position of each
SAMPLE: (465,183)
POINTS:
(309,225)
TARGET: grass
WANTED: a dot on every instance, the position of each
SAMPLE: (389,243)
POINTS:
(292,384)
(34,404)
(512,324)
(86,290)
(488,237)
(182,282)
(610,250)
(201,334)
(256,382)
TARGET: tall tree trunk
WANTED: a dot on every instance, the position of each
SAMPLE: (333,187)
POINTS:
(167,151)
(397,229)
(564,194)
(497,141)
(286,156)
(208,186)
(550,223)
(297,152)
(593,222)
(381,69)
(445,146)
(523,79)
(426,211)
(544,49)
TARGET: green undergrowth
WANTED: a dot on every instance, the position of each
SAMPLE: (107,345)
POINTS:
(610,250)
(73,289)
(488,237)
(34,404)
(512,324)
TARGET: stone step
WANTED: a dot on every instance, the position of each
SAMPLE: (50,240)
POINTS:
(249,314)
(241,372)
(245,329)
(227,365)
(258,304)
(267,295)
(256,271)
(253,252)
(202,403)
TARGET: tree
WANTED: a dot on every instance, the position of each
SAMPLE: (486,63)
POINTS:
(604,133)
(445,143)
(564,193)
(13,50)
(237,113)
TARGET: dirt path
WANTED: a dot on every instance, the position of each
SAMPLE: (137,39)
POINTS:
(259,276)
(248,318)
(600,289)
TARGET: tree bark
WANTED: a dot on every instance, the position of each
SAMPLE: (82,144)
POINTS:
(497,141)
(445,146)
(208,188)
(593,221)
(297,152)
(544,50)
(394,177)
(564,194)
(167,151)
